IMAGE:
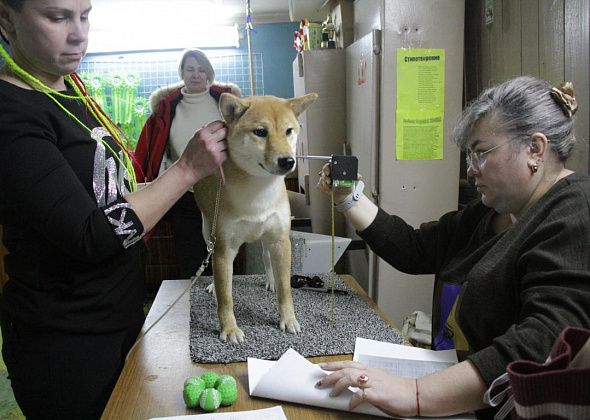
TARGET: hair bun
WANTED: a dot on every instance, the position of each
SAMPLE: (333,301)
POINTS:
(564,96)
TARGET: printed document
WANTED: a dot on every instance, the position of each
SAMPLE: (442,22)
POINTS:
(404,361)
(292,378)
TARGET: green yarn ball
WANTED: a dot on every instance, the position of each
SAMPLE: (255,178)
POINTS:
(191,393)
(210,377)
(210,399)
(228,391)
(225,379)
(195,380)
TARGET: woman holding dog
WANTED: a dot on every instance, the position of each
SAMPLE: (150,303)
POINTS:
(177,112)
(511,269)
(73,304)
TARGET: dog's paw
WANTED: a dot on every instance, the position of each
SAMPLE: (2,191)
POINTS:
(233,335)
(210,288)
(291,326)
(270,286)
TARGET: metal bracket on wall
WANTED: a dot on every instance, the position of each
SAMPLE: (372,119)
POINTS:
(489,13)
(306,181)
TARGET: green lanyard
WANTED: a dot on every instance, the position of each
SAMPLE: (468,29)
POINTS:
(91,105)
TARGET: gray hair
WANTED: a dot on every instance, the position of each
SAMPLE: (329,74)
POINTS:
(519,108)
(201,59)
(14,4)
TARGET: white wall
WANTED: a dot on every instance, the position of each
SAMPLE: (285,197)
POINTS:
(417,191)
(367,16)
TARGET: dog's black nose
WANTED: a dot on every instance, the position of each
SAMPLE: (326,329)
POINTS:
(286,163)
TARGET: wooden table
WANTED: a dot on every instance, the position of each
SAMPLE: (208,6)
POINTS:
(152,380)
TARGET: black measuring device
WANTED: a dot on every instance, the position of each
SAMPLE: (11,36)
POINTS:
(343,169)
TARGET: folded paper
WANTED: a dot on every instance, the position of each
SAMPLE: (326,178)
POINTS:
(292,378)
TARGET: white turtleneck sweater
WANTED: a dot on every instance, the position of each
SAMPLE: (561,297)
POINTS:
(194,111)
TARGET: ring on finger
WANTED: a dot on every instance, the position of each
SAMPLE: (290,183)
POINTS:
(362,380)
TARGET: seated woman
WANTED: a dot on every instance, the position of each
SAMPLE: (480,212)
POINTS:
(511,269)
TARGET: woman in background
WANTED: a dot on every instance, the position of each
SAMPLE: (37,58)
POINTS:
(177,112)
(73,304)
(512,269)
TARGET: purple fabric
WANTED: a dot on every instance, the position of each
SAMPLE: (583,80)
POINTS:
(443,339)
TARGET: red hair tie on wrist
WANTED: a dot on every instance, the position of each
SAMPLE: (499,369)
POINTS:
(417,400)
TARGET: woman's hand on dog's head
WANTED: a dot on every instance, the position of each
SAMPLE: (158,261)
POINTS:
(206,151)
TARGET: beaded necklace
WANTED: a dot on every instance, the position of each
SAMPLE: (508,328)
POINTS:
(81,95)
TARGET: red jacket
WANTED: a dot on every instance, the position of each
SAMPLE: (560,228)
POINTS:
(154,136)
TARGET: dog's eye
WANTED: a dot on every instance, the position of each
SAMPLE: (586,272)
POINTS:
(260,132)
(289,131)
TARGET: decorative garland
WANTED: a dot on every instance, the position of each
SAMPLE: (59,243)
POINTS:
(249,24)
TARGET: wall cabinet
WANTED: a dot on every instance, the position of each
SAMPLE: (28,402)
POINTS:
(323,127)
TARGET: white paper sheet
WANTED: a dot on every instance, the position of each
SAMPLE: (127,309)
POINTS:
(404,361)
(292,377)
(273,413)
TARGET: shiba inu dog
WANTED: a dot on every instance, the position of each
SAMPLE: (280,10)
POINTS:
(262,136)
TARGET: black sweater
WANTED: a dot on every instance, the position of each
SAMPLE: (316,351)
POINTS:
(74,251)
(516,290)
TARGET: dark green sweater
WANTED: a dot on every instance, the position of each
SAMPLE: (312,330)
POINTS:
(517,289)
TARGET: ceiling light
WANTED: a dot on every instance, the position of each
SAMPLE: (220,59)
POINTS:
(147,25)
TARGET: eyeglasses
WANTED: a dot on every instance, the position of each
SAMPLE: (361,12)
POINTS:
(475,160)
(298,281)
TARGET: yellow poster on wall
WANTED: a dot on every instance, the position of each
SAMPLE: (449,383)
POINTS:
(420,103)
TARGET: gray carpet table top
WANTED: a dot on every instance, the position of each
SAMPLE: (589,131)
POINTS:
(323,331)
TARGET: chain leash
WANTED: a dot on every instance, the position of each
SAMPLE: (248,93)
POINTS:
(204,264)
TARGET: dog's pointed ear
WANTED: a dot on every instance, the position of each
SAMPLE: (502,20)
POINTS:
(301,103)
(231,107)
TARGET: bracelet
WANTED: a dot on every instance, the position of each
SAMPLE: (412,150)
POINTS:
(352,199)
(417,400)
